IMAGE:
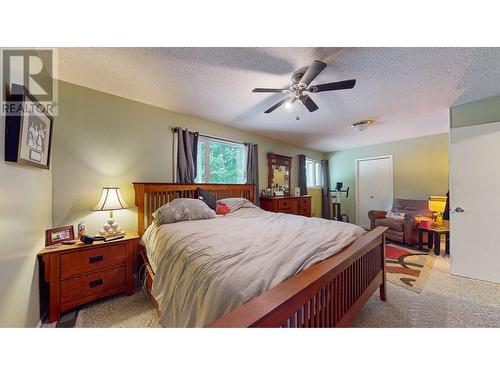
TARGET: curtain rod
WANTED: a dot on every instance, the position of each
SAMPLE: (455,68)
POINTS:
(175,128)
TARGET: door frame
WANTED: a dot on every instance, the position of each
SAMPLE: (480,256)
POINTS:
(356,178)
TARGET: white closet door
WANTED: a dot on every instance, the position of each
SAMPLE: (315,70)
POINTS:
(374,187)
(475,201)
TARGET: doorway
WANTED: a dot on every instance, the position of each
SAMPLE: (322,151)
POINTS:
(374,186)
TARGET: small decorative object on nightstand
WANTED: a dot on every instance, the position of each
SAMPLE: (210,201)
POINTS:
(111,199)
(77,274)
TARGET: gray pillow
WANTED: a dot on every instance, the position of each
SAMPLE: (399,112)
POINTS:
(183,209)
(236,203)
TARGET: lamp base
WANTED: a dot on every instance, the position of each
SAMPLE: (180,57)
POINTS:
(111,228)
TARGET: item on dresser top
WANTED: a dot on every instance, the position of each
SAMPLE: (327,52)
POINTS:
(81,228)
(69,242)
(87,239)
(279,192)
(114,238)
(57,235)
(206,197)
(297,192)
(111,199)
(236,203)
(183,209)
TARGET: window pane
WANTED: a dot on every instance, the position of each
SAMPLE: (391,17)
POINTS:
(200,163)
(310,172)
(221,162)
(319,181)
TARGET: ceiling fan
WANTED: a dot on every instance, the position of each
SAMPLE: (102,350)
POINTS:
(301,86)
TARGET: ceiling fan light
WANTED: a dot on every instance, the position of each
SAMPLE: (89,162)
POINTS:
(288,105)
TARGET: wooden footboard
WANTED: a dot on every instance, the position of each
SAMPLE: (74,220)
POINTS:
(328,294)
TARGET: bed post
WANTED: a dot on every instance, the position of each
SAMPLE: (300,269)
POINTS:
(139,202)
(382,288)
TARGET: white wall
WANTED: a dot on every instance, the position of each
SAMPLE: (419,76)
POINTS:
(25,213)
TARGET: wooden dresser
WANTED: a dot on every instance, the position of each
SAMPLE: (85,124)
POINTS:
(287,204)
(77,274)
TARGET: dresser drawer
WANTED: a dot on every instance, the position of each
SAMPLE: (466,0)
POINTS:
(305,211)
(284,203)
(93,259)
(94,283)
(304,203)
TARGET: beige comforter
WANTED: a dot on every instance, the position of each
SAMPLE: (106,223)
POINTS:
(204,269)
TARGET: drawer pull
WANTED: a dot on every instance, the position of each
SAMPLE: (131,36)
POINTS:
(95,283)
(96,259)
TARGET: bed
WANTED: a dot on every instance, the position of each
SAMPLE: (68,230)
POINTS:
(215,273)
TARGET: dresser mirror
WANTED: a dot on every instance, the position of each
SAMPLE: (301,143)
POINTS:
(279,176)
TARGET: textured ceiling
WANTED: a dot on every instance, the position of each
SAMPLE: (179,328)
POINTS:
(408,91)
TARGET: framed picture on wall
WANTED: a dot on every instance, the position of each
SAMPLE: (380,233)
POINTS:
(28,130)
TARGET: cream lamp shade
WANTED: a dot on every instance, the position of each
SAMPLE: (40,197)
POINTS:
(111,199)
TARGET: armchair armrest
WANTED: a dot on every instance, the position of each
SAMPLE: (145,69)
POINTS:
(375,214)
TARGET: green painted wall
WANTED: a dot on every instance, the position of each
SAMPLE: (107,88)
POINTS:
(477,112)
(420,168)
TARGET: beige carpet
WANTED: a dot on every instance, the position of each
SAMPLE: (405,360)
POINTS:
(445,301)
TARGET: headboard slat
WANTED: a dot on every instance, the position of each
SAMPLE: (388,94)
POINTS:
(150,196)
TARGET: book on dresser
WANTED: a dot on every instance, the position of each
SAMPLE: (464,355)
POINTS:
(72,275)
(288,204)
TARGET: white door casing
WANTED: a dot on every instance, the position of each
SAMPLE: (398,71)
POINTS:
(374,186)
(475,188)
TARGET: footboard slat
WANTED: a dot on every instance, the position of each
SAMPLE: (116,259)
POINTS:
(328,294)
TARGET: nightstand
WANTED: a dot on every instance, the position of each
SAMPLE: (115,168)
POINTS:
(77,274)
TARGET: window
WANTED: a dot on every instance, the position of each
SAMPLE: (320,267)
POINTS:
(221,162)
(314,174)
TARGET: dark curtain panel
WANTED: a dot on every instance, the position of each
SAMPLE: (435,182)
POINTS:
(187,151)
(325,212)
(253,170)
(302,175)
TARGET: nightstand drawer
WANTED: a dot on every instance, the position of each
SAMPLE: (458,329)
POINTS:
(92,284)
(93,259)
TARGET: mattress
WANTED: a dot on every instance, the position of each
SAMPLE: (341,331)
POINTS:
(206,268)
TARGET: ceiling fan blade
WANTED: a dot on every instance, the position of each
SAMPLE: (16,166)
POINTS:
(312,72)
(341,85)
(281,102)
(309,103)
(258,89)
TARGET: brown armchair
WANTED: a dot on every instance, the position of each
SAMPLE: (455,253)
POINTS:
(402,231)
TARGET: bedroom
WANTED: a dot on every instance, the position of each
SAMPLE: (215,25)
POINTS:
(249,187)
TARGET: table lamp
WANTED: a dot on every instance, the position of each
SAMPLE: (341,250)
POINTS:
(437,205)
(111,199)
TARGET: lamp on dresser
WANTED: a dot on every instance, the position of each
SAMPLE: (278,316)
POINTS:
(111,199)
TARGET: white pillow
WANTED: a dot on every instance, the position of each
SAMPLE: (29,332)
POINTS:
(395,215)
(237,203)
(183,209)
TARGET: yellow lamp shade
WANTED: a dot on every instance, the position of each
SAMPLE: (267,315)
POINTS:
(437,203)
(111,199)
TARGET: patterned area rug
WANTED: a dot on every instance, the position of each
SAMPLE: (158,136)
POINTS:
(407,267)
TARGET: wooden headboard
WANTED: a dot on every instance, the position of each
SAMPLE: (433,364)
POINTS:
(149,196)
